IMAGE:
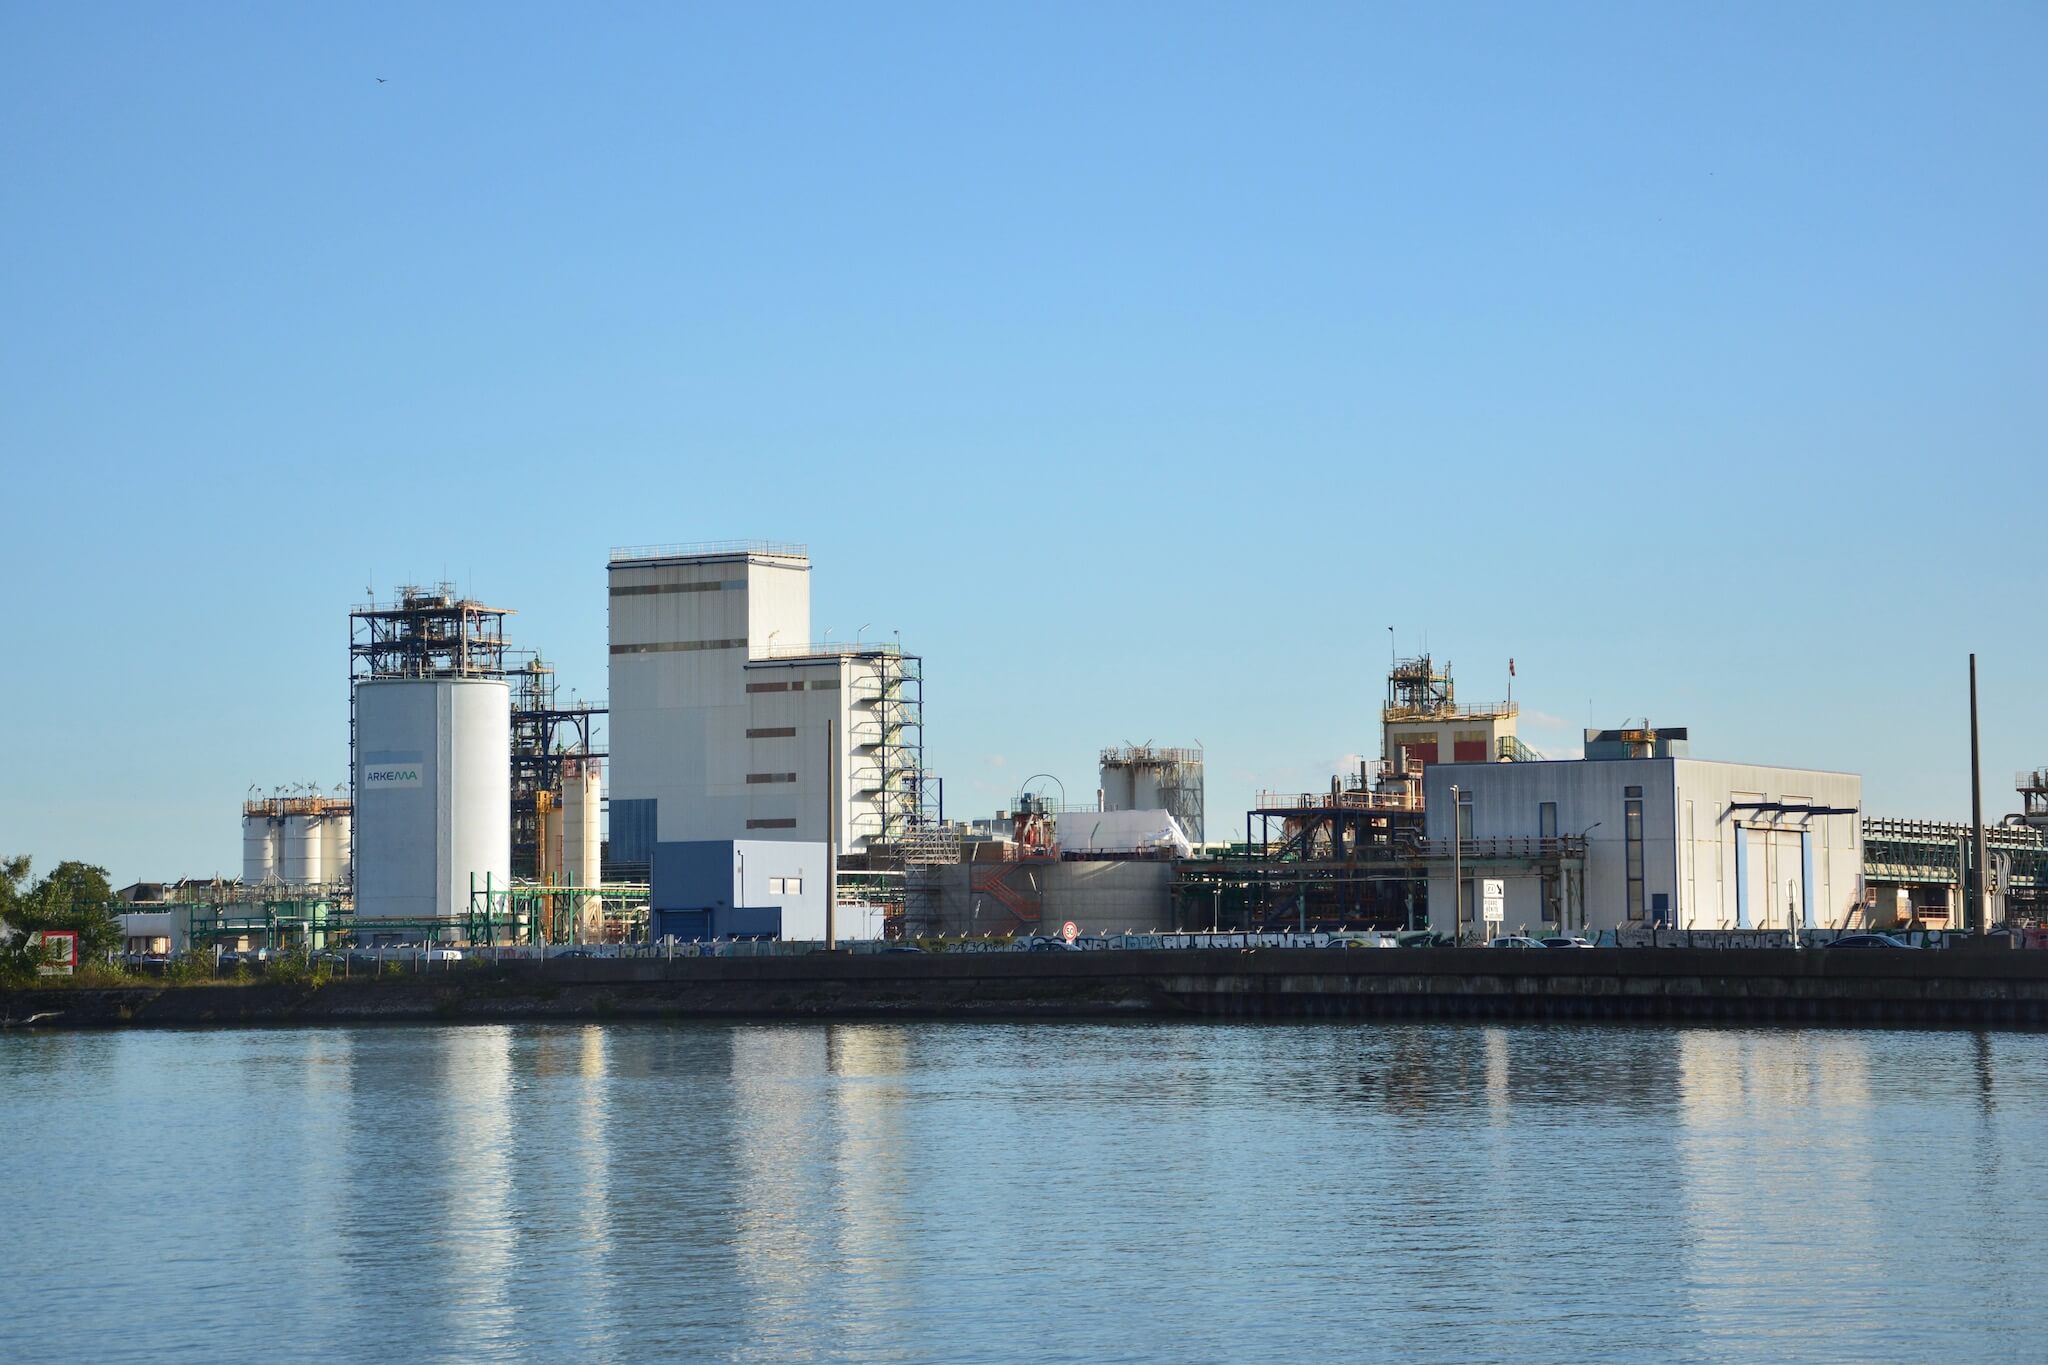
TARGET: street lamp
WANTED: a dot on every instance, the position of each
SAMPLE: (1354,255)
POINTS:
(1584,868)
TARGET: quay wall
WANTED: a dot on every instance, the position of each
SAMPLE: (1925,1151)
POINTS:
(1962,988)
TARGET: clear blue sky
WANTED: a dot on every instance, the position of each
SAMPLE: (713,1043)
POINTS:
(1140,363)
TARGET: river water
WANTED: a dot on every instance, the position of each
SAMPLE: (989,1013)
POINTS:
(952,1192)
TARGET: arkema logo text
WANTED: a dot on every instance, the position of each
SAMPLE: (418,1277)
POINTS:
(384,776)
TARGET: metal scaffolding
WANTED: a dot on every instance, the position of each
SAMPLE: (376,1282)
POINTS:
(545,736)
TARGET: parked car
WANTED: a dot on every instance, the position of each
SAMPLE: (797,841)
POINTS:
(1869,941)
(1514,941)
(1566,941)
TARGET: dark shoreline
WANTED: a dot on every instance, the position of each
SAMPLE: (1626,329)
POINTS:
(1983,988)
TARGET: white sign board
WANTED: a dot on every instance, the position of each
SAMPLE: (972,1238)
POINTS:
(1493,900)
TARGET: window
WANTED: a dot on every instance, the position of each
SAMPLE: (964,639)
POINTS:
(785,886)
(651,589)
(768,687)
(772,732)
(1632,833)
(679,646)
(771,824)
(771,777)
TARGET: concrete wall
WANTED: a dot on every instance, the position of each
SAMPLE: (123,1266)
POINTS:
(1689,839)
(1099,897)
(1444,732)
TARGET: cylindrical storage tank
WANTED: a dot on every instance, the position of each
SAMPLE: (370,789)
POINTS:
(299,863)
(1115,785)
(1145,788)
(334,841)
(259,850)
(433,796)
(582,843)
(552,863)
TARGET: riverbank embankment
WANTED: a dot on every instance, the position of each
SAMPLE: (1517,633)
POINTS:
(1980,988)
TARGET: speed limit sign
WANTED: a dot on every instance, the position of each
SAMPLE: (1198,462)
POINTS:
(1070,931)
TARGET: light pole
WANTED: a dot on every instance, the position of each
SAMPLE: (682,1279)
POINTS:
(739,897)
(1216,909)
(862,631)
(1585,866)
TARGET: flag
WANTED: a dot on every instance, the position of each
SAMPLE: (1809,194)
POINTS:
(1511,668)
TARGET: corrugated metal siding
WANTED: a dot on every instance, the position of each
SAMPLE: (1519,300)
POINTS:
(632,836)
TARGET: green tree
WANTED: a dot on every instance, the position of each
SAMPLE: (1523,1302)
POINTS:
(73,895)
(13,872)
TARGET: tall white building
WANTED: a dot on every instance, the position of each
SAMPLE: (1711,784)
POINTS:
(726,715)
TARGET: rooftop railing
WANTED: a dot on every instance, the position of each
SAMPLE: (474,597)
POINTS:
(1352,799)
(622,554)
(832,649)
(1493,710)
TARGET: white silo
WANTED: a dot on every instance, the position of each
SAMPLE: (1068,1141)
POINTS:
(259,848)
(551,864)
(334,844)
(299,860)
(433,795)
(1141,777)
(582,842)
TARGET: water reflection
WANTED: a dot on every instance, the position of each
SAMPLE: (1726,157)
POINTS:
(924,1191)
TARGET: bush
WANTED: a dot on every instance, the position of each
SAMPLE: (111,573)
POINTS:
(190,967)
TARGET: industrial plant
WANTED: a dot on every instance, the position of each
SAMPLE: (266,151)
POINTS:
(746,781)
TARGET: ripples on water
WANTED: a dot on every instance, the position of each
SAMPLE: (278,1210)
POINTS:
(1031,1192)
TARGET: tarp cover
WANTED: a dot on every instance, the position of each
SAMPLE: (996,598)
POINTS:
(1122,831)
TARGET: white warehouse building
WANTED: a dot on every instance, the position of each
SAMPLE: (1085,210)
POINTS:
(1644,842)
(724,711)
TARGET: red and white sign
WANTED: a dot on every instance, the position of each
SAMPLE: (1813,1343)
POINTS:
(59,951)
(1070,931)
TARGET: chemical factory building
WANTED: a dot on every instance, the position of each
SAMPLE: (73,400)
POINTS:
(726,719)
(1608,843)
